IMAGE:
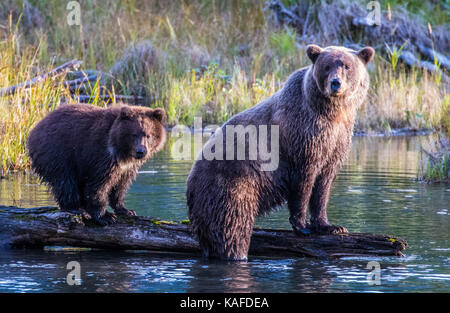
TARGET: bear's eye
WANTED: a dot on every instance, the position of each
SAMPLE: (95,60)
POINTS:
(327,68)
(347,67)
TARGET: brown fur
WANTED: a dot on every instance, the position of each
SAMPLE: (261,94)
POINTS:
(90,156)
(316,125)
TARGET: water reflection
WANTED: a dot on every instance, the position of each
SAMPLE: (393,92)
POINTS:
(374,192)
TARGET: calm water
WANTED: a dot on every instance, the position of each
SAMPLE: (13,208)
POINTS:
(375,192)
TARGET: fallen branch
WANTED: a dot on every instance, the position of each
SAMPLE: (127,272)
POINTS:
(48,226)
(408,58)
(79,82)
(432,55)
(136,100)
(60,70)
(84,73)
(339,21)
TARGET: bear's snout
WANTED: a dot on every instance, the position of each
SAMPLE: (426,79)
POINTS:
(141,152)
(335,84)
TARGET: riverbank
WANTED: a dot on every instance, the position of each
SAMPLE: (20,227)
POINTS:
(208,59)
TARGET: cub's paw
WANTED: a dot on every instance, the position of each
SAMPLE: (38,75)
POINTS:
(330,229)
(85,215)
(106,219)
(124,211)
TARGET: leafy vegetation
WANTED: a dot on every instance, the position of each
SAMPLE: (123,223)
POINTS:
(435,163)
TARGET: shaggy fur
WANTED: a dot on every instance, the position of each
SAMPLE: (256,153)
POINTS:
(316,125)
(90,156)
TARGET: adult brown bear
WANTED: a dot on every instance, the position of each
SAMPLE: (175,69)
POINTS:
(89,155)
(314,113)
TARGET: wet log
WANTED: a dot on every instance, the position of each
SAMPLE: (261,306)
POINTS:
(48,226)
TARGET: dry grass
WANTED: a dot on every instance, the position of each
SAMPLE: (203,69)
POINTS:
(400,99)
(209,58)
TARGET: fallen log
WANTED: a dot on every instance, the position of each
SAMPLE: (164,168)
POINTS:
(136,100)
(341,21)
(48,226)
(53,74)
(79,83)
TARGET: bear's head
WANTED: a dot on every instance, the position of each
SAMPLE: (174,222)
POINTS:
(137,133)
(338,71)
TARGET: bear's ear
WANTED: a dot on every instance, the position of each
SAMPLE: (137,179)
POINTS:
(366,54)
(158,114)
(313,52)
(125,113)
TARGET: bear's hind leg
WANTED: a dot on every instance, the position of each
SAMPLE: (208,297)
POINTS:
(227,234)
(68,197)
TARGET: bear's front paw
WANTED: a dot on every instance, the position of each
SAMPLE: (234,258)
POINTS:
(124,211)
(106,219)
(300,228)
(85,215)
(330,229)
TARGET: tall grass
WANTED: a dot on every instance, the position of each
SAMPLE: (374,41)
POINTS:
(402,98)
(20,111)
(435,160)
(208,58)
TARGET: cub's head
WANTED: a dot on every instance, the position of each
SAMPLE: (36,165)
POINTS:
(137,133)
(339,71)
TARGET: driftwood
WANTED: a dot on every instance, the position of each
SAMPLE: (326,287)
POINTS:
(59,71)
(77,84)
(136,100)
(336,22)
(48,226)
(71,67)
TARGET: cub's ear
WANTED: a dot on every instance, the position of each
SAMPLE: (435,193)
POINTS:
(158,114)
(366,54)
(125,113)
(313,52)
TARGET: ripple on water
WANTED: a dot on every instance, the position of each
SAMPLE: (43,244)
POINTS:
(375,192)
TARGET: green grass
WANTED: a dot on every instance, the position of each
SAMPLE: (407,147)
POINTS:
(437,172)
(435,162)
(207,58)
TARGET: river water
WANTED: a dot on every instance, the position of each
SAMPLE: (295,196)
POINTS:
(375,192)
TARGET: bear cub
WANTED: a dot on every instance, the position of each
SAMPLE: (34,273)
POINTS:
(314,112)
(89,156)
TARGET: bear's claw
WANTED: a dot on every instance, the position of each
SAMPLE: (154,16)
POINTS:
(106,219)
(124,211)
(85,215)
(330,229)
